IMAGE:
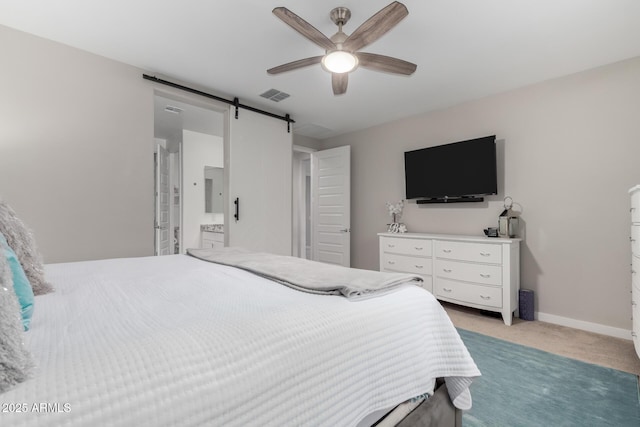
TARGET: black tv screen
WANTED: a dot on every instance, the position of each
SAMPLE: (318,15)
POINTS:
(466,168)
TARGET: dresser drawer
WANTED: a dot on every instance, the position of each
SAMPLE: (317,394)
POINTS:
(212,240)
(466,251)
(468,292)
(427,283)
(408,264)
(477,273)
(399,245)
(635,272)
(210,235)
(635,239)
(635,311)
(635,206)
(211,244)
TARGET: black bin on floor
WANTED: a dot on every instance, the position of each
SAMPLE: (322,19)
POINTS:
(526,304)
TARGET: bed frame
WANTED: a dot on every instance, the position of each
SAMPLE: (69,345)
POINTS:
(436,411)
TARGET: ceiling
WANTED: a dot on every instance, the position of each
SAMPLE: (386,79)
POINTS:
(464,49)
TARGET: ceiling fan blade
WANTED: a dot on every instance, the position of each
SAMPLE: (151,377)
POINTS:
(304,28)
(375,27)
(339,82)
(385,64)
(295,65)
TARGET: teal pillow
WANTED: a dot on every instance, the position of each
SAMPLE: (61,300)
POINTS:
(21,284)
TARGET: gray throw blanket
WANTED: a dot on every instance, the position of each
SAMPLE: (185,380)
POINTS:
(305,275)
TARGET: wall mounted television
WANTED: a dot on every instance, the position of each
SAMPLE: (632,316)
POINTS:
(457,172)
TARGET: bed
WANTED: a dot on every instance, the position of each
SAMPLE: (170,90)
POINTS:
(175,340)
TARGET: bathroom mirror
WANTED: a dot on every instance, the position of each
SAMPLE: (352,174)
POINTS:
(213,189)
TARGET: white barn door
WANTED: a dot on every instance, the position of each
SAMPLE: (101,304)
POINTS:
(259,162)
(331,206)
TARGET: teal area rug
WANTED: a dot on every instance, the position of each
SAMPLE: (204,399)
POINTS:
(521,387)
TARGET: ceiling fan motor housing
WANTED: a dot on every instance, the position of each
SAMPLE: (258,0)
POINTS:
(340,15)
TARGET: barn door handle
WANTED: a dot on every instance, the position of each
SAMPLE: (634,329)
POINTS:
(237,214)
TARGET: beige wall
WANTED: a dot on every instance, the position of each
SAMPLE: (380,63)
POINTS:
(76,152)
(569,150)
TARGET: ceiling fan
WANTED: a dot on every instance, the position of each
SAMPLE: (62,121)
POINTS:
(341,50)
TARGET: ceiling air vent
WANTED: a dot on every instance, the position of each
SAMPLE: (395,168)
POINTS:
(275,95)
(172,109)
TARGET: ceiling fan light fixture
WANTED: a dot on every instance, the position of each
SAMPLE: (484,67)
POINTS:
(339,61)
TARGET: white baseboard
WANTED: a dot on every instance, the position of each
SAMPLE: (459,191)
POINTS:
(585,326)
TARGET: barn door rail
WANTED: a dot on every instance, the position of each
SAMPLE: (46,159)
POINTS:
(235,102)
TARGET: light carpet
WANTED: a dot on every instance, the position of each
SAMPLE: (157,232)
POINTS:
(523,386)
(586,346)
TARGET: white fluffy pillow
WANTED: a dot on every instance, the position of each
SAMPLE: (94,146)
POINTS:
(21,240)
(15,360)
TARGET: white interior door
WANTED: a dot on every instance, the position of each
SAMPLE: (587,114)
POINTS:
(331,205)
(162,202)
(259,165)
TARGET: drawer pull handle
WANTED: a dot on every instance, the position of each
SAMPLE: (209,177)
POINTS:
(391,246)
(418,248)
(486,276)
(633,334)
(485,253)
(446,289)
(446,270)
(486,298)
(633,272)
(446,251)
(419,266)
(391,262)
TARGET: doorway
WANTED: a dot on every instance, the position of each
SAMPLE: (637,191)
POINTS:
(302,202)
(189,135)
(322,204)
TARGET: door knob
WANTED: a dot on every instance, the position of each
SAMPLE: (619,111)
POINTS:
(346,230)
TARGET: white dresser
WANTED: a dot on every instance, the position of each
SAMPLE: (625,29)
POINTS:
(635,266)
(474,271)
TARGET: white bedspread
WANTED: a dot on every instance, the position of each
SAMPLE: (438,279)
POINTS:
(175,341)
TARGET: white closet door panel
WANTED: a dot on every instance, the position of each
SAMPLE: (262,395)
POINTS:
(331,210)
(260,168)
